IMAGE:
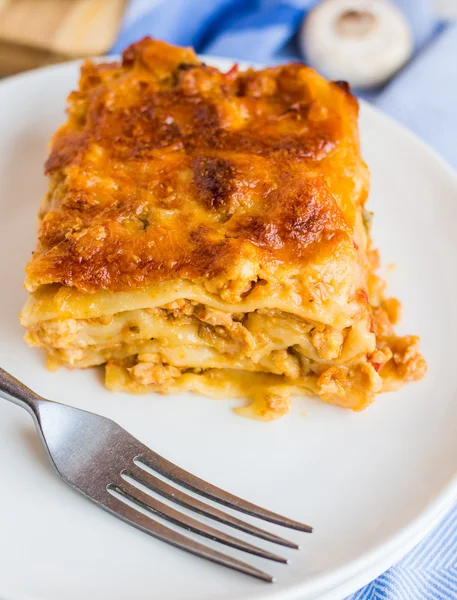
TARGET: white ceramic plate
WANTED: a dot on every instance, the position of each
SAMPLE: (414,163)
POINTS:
(372,484)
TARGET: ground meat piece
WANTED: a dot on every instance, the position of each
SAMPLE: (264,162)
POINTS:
(382,325)
(410,364)
(60,333)
(350,388)
(380,357)
(287,363)
(162,376)
(328,342)
(278,404)
(180,307)
(223,333)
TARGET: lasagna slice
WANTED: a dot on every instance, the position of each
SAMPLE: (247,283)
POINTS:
(206,231)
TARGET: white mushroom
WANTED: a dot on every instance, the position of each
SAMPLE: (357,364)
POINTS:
(361,41)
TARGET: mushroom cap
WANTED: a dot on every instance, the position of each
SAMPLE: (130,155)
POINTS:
(361,41)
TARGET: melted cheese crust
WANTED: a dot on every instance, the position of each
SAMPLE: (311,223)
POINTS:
(204,231)
(168,168)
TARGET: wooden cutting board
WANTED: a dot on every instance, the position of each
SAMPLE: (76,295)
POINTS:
(39,32)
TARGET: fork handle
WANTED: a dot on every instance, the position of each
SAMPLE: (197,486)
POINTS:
(13,390)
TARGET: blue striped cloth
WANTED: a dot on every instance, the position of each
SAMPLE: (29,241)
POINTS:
(263,31)
(428,572)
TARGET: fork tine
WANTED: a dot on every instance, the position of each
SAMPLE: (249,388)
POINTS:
(176,495)
(170,514)
(165,534)
(178,475)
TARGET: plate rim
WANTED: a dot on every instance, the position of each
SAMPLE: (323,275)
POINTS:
(387,553)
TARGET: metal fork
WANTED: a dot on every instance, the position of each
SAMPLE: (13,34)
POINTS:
(95,456)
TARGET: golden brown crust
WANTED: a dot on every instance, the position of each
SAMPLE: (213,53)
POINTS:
(168,168)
